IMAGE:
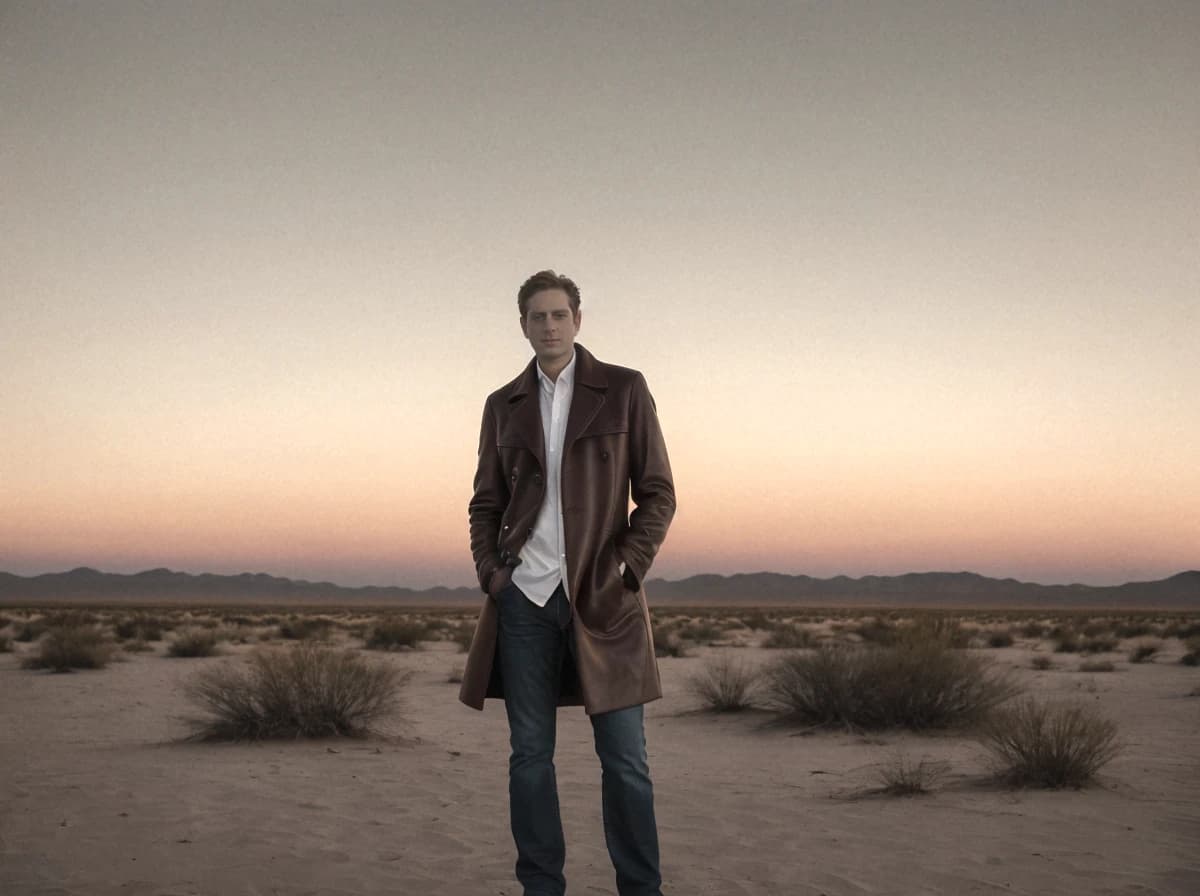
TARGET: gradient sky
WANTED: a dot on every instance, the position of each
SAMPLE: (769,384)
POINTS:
(915,285)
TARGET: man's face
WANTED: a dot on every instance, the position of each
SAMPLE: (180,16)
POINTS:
(550,326)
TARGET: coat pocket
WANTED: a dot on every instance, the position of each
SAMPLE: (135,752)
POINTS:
(611,605)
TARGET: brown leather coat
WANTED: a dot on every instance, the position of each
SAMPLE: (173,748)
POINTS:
(613,448)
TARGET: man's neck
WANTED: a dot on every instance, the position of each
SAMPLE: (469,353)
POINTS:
(553,372)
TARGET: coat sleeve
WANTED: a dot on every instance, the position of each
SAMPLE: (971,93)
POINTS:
(651,486)
(488,502)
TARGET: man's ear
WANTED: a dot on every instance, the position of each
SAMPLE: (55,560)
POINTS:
(524,331)
(578,317)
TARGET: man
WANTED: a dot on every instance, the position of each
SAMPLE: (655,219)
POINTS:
(561,449)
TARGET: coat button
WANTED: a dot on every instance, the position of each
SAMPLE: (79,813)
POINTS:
(604,455)
(537,478)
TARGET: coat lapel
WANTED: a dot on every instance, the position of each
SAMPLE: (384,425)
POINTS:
(588,396)
(525,423)
(586,400)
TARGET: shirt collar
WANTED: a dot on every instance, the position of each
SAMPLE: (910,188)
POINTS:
(566,376)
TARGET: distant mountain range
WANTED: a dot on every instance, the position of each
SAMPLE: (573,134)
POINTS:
(917,589)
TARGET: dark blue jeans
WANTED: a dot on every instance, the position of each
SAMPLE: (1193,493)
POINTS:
(533,643)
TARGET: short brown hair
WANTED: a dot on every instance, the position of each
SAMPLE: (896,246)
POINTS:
(547,280)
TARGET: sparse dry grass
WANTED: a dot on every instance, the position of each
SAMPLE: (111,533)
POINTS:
(921,682)
(1144,652)
(700,632)
(193,642)
(1048,744)
(307,690)
(788,636)
(68,646)
(1192,656)
(138,627)
(725,683)
(29,630)
(393,634)
(900,776)
(999,638)
(666,640)
(462,635)
(306,628)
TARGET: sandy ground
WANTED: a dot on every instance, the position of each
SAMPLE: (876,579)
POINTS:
(98,797)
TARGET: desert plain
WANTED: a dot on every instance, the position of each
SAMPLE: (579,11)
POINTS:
(102,792)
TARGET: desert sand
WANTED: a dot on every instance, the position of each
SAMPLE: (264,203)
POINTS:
(99,796)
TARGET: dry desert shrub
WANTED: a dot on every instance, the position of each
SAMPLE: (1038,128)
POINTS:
(1065,640)
(30,630)
(5,644)
(1192,657)
(757,621)
(928,631)
(1096,666)
(700,631)
(785,636)
(1144,651)
(1033,629)
(358,629)
(456,674)
(392,634)
(71,617)
(138,627)
(1103,643)
(306,628)
(193,642)
(724,684)
(462,635)
(306,690)
(1136,629)
(1181,630)
(876,631)
(666,640)
(1048,744)
(918,683)
(999,638)
(1069,641)
(66,647)
(1042,663)
(900,776)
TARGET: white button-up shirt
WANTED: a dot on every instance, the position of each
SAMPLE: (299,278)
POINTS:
(544,557)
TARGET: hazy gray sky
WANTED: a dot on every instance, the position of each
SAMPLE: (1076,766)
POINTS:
(914,284)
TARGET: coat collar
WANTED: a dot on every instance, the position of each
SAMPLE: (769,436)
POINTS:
(585,402)
(588,371)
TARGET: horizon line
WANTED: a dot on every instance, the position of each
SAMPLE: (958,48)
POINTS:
(659,579)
